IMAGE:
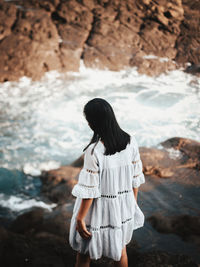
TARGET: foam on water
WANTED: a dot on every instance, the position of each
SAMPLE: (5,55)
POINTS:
(42,125)
(16,203)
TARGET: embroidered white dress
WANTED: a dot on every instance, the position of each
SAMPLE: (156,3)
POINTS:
(114,212)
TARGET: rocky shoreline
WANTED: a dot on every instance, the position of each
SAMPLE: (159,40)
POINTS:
(39,36)
(40,237)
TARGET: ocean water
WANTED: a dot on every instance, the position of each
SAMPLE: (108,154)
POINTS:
(42,127)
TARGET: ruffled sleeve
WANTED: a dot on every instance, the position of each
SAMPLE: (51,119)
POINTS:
(137,167)
(88,181)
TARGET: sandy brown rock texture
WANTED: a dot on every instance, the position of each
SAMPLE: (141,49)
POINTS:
(155,36)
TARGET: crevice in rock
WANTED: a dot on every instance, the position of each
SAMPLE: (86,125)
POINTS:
(46,68)
(57,18)
(89,35)
(16,20)
(167,14)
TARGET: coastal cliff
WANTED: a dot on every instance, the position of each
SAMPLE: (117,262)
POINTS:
(154,36)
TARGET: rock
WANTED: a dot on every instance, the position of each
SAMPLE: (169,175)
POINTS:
(188,41)
(194,68)
(136,35)
(165,163)
(40,220)
(157,163)
(32,48)
(188,147)
(73,22)
(186,226)
(45,249)
(78,162)
(57,184)
(7,19)
(39,36)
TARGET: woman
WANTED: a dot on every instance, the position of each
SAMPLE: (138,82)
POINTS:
(106,211)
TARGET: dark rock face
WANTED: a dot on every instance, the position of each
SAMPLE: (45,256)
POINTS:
(186,226)
(46,249)
(40,220)
(188,41)
(39,36)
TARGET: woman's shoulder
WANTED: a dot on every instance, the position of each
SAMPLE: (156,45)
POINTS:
(133,140)
(93,149)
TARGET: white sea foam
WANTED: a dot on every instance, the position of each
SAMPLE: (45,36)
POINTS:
(42,125)
(174,153)
(16,203)
(36,168)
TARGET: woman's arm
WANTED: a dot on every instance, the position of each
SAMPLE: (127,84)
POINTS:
(80,226)
(135,191)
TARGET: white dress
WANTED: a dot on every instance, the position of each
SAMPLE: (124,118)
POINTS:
(114,212)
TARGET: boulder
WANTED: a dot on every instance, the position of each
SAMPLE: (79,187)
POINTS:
(186,226)
(178,160)
(57,184)
(40,220)
(188,147)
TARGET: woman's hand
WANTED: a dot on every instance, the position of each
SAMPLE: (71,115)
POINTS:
(81,228)
(135,199)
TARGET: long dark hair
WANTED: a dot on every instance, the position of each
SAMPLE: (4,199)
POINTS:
(101,118)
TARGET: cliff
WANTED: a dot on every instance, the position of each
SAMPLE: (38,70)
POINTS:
(43,35)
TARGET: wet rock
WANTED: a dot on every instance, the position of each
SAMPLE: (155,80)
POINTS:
(39,220)
(188,147)
(186,226)
(194,68)
(43,250)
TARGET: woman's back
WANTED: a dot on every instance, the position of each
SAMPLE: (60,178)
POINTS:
(114,213)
